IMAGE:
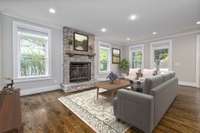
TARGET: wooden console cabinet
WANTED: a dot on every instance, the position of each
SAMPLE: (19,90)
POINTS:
(10,113)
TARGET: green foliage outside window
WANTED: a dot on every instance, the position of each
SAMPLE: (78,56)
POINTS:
(124,65)
(161,55)
(136,59)
(104,57)
(32,55)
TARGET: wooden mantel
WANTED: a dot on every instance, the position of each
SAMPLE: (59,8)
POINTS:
(72,53)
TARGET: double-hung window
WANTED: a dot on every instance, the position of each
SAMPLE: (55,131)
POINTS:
(161,55)
(104,58)
(31,51)
(137,56)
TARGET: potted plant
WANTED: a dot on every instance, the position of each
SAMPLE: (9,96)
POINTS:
(124,67)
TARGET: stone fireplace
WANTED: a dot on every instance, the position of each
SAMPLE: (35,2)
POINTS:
(80,71)
(78,67)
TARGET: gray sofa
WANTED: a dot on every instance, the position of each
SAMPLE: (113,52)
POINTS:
(145,110)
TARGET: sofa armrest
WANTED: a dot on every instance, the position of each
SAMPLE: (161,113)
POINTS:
(135,108)
(164,95)
(115,108)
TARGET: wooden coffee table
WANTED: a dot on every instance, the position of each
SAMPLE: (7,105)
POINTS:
(111,88)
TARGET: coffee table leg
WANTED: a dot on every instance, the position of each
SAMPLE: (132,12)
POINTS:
(97,93)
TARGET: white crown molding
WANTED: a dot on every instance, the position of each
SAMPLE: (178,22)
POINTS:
(137,46)
(36,21)
(168,37)
(98,39)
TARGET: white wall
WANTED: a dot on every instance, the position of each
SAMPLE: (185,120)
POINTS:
(0,50)
(183,56)
(31,87)
(7,60)
(113,67)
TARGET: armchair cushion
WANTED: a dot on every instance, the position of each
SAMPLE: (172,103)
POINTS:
(132,73)
(148,72)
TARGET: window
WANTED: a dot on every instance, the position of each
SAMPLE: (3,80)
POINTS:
(104,59)
(137,56)
(161,54)
(31,51)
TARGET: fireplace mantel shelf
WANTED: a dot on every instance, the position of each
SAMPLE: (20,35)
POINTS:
(72,53)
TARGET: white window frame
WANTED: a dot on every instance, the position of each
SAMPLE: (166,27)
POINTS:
(155,46)
(16,54)
(134,48)
(106,46)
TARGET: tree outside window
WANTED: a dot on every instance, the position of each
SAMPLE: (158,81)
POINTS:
(104,59)
(137,59)
(33,57)
(162,56)
(31,51)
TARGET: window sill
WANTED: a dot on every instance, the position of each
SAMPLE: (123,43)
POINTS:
(29,79)
(103,73)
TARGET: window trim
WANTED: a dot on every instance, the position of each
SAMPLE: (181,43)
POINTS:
(169,46)
(106,46)
(136,48)
(16,55)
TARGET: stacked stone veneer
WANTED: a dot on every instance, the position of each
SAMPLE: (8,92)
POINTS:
(68,46)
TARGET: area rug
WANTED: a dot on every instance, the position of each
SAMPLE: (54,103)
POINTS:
(98,114)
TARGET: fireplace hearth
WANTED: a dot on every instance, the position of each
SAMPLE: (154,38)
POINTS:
(80,71)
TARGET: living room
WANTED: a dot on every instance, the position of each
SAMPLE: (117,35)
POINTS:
(99,66)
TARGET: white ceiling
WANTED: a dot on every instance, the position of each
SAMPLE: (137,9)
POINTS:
(163,16)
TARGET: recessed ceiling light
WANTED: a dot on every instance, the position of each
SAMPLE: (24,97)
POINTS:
(198,22)
(52,11)
(132,17)
(154,33)
(103,29)
(128,39)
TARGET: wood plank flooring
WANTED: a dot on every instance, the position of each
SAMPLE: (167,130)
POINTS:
(43,113)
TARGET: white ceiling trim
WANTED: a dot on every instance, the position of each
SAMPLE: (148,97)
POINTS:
(36,21)
(168,37)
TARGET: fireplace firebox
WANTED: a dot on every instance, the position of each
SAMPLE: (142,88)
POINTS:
(80,71)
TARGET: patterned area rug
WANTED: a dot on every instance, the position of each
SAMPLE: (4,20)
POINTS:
(98,114)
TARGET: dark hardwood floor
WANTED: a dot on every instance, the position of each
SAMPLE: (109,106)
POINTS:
(43,113)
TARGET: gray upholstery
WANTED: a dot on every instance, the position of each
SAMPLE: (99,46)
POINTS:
(152,82)
(144,111)
(168,76)
(135,109)
(164,95)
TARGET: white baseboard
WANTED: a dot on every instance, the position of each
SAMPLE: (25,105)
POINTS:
(31,91)
(183,83)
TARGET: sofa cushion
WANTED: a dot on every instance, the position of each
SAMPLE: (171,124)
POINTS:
(168,76)
(148,72)
(152,82)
